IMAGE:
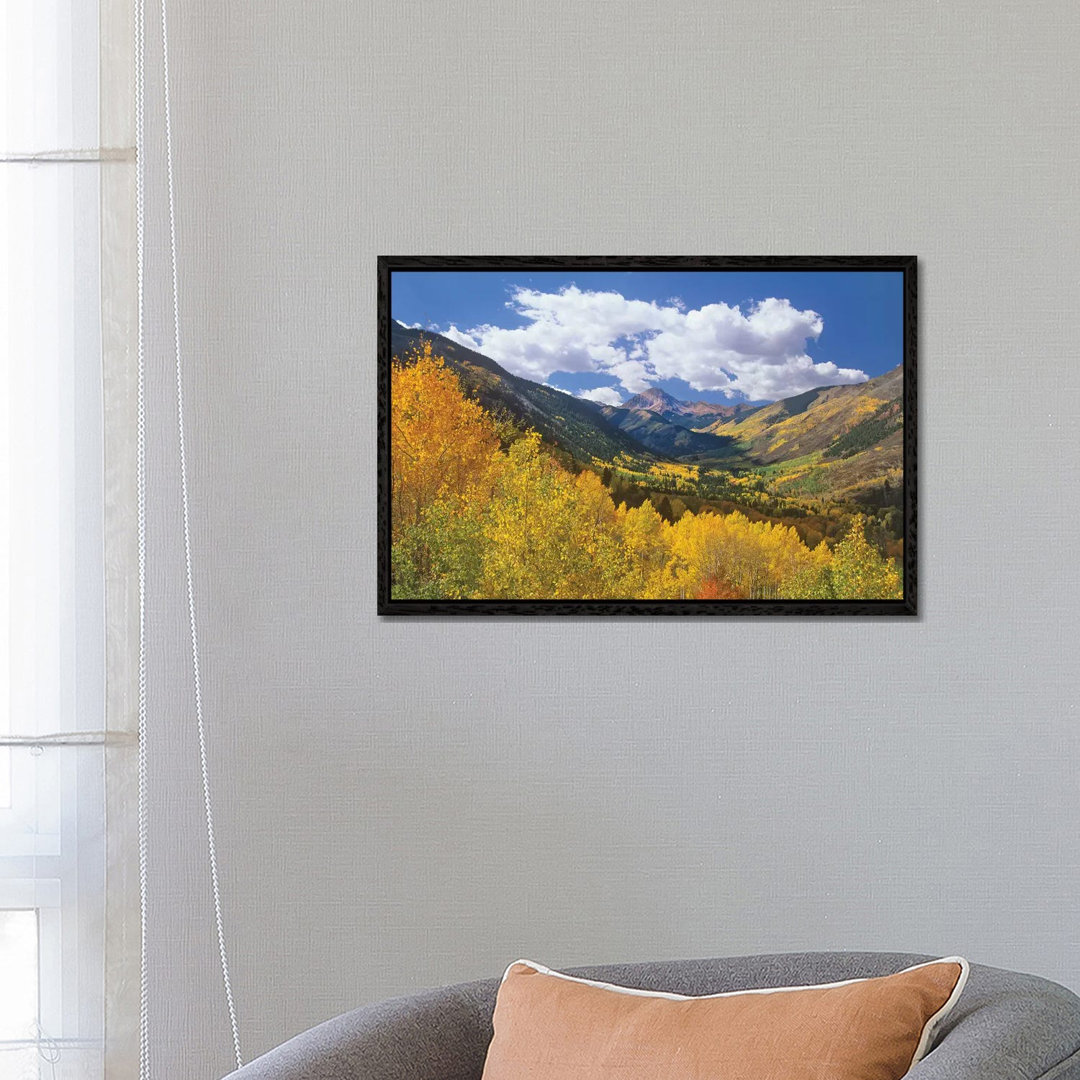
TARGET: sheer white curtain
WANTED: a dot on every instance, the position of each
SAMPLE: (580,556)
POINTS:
(56,206)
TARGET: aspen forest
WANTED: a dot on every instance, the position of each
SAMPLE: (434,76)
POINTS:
(485,506)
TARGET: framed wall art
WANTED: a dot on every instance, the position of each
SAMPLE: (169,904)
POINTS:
(647,435)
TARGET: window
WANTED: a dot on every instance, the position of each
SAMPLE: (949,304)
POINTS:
(52,578)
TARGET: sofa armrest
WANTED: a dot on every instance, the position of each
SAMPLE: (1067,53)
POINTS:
(441,1034)
(1007,1026)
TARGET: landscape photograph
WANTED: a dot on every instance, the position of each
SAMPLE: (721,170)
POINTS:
(716,440)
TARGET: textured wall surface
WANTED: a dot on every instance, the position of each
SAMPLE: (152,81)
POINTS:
(402,804)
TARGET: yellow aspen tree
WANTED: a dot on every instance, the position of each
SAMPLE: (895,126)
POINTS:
(549,535)
(441,443)
(646,538)
(859,572)
(812,580)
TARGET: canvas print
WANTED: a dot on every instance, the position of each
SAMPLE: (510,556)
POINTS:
(647,436)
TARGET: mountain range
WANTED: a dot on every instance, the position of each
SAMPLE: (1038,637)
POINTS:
(857,430)
(689,414)
(858,414)
(582,428)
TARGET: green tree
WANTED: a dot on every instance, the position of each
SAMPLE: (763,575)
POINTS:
(442,555)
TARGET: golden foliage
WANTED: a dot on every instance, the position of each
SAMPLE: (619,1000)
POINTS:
(753,558)
(548,534)
(471,520)
(859,572)
(674,472)
(441,442)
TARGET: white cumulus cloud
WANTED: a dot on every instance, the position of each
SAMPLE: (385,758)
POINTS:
(758,353)
(603,395)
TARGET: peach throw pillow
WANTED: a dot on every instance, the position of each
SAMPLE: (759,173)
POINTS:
(550,1026)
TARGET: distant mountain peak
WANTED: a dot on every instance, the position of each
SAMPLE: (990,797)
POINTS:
(692,414)
(652,398)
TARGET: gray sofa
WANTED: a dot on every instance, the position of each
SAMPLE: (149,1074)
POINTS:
(1005,1026)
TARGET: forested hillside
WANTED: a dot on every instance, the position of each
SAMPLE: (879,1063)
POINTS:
(484,507)
(565,422)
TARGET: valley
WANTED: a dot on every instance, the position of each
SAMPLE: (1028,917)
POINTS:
(811,462)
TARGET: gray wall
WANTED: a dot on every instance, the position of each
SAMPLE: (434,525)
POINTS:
(402,804)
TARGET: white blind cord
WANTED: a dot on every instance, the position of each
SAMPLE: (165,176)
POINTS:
(140,200)
(140,454)
(197,680)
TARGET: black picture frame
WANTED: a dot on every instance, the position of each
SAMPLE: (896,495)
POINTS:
(907,606)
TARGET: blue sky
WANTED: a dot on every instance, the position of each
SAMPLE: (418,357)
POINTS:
(719,336)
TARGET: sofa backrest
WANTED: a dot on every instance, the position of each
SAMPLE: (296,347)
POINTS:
(1006,1026)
